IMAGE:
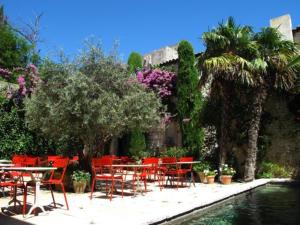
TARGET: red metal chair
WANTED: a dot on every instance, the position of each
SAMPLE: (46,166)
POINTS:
(152,169)
(103,171)
(30,161)
(52,158)
(7,181)
(185,169)
(60,164)
(18,160)
(170,169)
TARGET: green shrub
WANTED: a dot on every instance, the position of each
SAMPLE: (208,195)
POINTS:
(174,152)
(200,167)
(273,170)
(137,144)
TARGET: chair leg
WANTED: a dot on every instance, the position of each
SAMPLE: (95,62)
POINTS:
(65,196)
(122,187)
(50,187)
(112,189)
(92,189)
(24,200)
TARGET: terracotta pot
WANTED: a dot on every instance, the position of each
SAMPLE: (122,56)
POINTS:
(202,177)
(226,179)
(79,187)
(210,179)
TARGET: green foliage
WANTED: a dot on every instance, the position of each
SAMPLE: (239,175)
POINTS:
(135,62)
(174,152)
(91,99)
(16,138)
(137,144)
(189,103)
(227,170)
(14,50)
(210,172)
(200,167)
(273,170)
(81,176)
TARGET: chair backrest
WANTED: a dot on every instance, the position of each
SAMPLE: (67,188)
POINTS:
(18,160)
(102,165)
(186,159)
(52,158)
(60,163)
(150,160)
(169,160)
(30,161)
(186,166)
(42,161)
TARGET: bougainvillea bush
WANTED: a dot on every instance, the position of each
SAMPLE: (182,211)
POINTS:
(161,82)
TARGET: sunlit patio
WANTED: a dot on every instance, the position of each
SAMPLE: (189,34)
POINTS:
(144,208)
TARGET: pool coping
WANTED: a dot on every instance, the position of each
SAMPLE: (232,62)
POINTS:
(202,208)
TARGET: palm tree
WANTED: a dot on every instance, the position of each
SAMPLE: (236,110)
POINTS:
(275,54)
(229,60)
(237,60)
(295,61)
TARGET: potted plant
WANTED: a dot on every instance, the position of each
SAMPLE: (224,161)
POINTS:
(226,174)
(199,168)
(80,179)
(210,175)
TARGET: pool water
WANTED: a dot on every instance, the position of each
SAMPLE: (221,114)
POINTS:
(271,205)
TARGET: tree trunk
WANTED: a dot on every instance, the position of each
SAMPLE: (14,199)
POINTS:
(113,146)
(224,143)
(254,125)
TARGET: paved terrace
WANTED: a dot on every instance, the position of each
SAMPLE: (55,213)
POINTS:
(149,208)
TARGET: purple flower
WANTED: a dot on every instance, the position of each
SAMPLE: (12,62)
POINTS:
(5,73)
(161,82)
(21,80)
(33,68)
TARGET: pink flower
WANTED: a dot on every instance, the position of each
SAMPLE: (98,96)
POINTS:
(33,68)
(21,80)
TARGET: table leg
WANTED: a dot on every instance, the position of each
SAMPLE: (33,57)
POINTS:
(14,199)
(37,196)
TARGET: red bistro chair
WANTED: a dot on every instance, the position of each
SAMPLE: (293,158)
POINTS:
(169,168)
(18,160)
(30,161)
(103,171)
(152,169)
(6,181)
(59,163)
(185,169)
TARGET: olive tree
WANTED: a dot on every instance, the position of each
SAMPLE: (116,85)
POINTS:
(91,98)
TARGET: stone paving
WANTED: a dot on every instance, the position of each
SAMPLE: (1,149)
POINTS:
(151,207)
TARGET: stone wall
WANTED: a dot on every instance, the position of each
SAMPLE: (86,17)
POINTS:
(283,131)
(296,33)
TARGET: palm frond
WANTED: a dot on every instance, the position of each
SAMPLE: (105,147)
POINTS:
(294,62)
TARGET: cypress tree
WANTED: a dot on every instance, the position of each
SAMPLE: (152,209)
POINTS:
(135,62)
(189,99)
(137,142)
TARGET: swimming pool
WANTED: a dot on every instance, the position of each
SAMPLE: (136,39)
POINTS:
(270,205)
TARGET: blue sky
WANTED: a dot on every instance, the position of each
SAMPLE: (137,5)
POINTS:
(139,25)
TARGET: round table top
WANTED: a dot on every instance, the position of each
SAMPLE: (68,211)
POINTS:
(5,161)
(131,165)
(6,165)
(28,169)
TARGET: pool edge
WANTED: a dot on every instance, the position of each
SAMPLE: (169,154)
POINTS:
(264,182)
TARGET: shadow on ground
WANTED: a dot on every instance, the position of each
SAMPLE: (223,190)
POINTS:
(7,220)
